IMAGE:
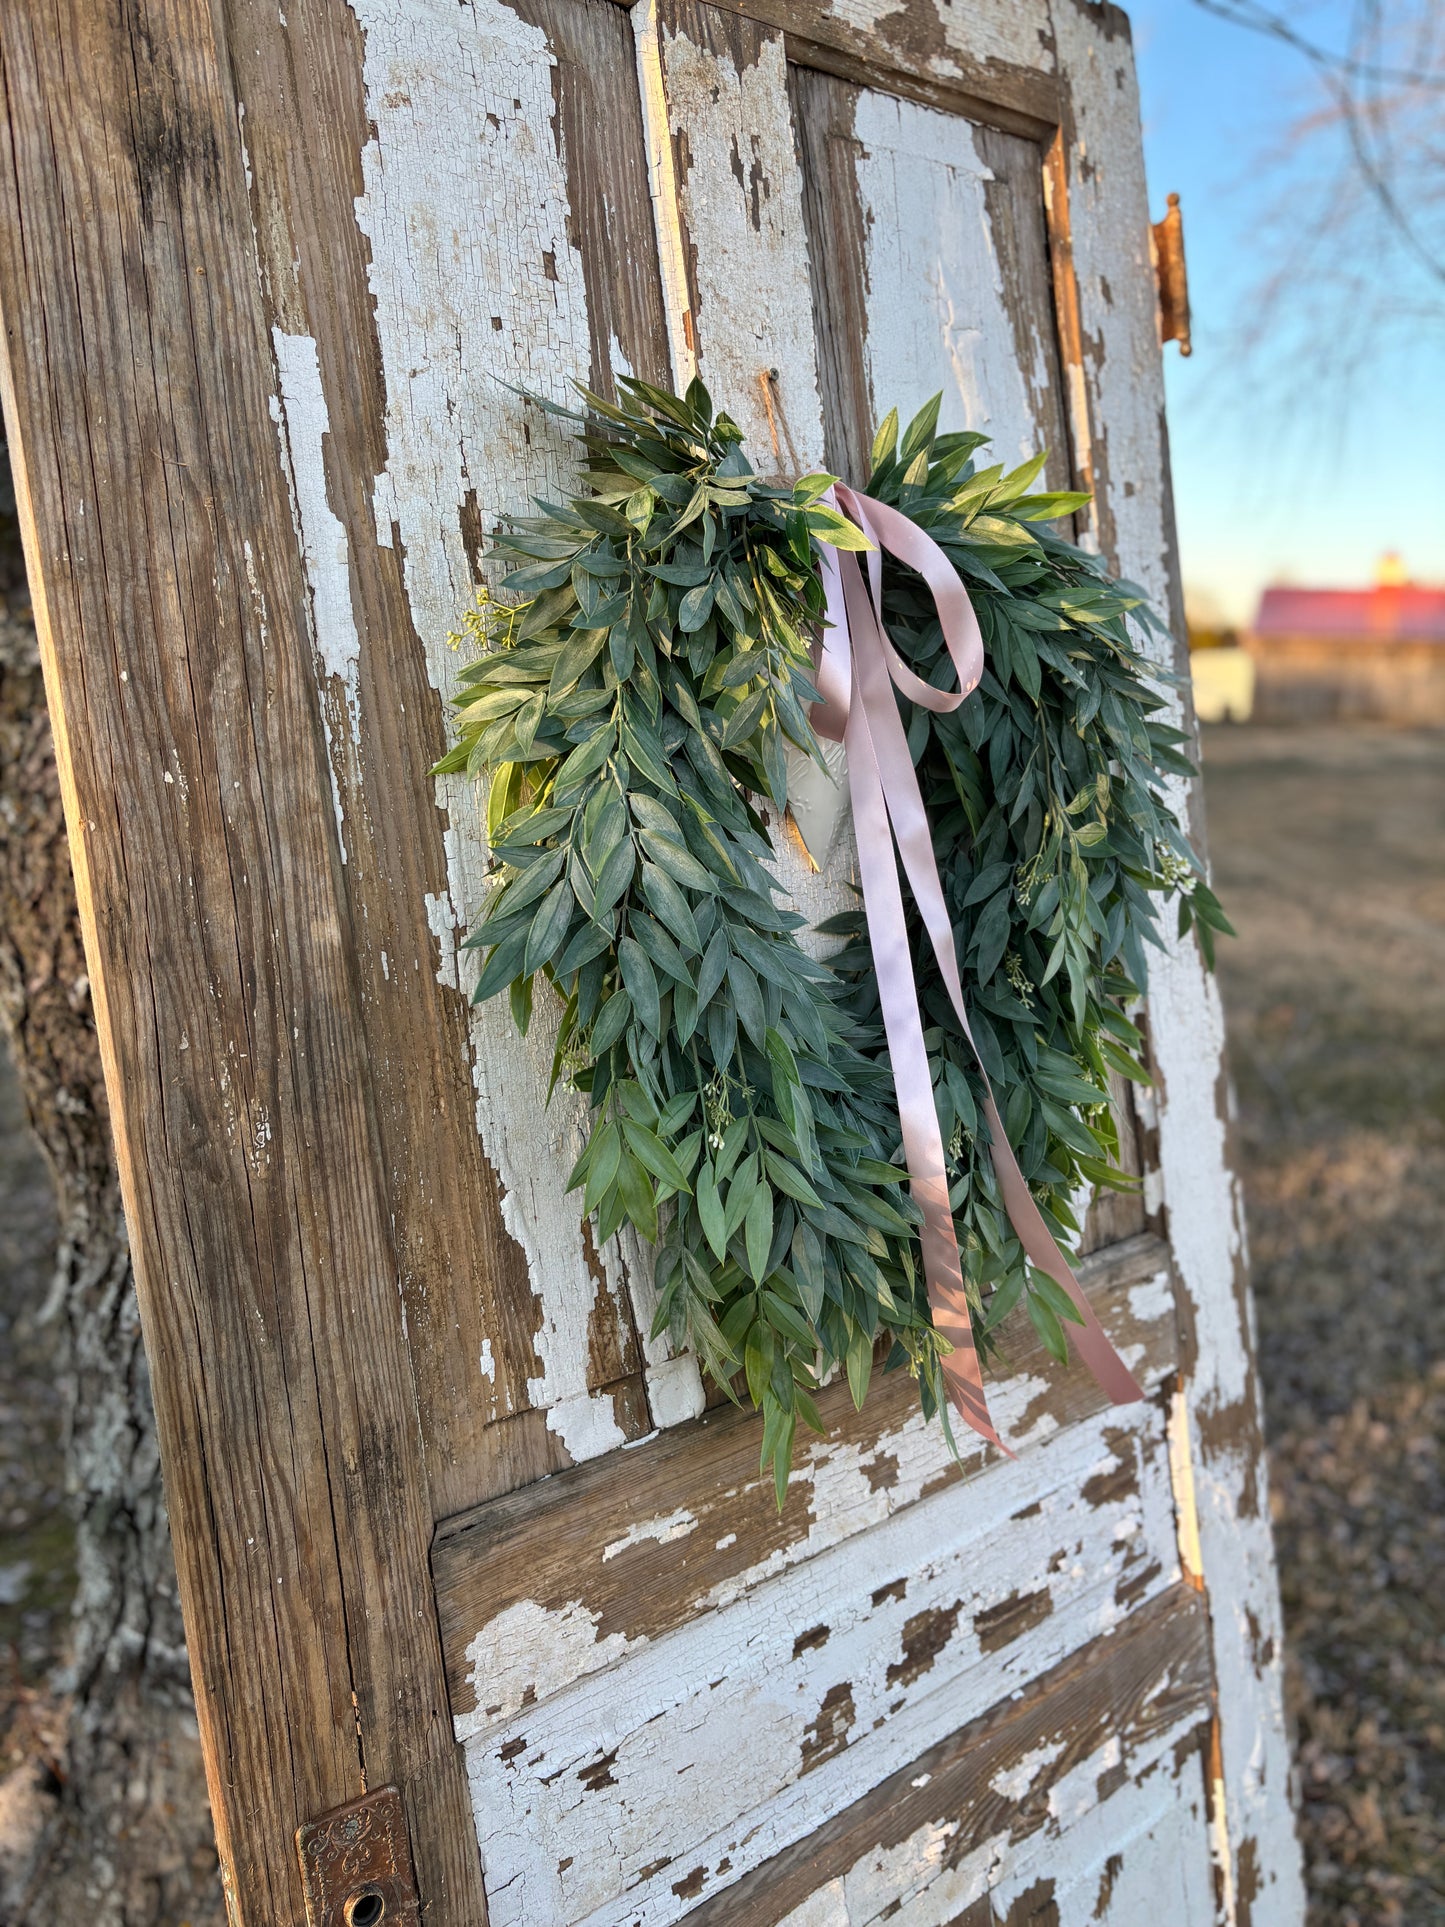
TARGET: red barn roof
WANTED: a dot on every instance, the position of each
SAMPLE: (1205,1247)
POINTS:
(1404,612)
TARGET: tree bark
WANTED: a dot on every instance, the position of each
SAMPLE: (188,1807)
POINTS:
(117,1829)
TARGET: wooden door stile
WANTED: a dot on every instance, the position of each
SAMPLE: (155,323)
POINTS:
(1108,309)
(172,613)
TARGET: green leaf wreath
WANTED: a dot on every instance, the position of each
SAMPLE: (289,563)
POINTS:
(633,699)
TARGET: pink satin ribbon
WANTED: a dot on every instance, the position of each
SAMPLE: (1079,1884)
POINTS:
(857,667)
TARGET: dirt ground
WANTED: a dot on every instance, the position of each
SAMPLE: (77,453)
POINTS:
(1329,850)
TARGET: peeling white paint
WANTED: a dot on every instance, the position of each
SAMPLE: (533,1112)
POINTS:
(524,1648)
(303,424)
(750,261)
(668,1714)
(986,30)
(1014,1781)
(587,1424)
(461,102)
(677,1525)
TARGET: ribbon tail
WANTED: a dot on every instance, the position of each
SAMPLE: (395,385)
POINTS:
(904,802)
(903,1024)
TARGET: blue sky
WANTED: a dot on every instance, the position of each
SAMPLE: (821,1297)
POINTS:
(1317,493)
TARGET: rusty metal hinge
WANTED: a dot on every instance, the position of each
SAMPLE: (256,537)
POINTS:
(1167,245)
(356,1867)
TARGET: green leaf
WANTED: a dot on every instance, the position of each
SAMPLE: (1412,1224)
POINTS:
(1048,1328)
(748,999)
(758,1231)
(613,1018)
(1004,1301)
(585,760)
(860,1365)
(787,1322)
(828,525)
(1055,1297)
(696,607)
(669,904)
(576,659)
(885,441)
(639,1198)
(502,966)
(655,1156)
(789,1179)
(679,862)
(549,927)
(641,981)
(606,1149)
(615,876)
(710,1212)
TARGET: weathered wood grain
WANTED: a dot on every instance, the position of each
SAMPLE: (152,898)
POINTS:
(926,1845)
(1098,176)
(717,83)
(704,1752)
(995,63)
(686,1524)
(396,317)
(173,614)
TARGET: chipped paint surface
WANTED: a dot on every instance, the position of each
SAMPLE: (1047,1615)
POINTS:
(925,1629)
(740,198)
(1134,1856)
(528,1650)
(302,422)
(988,30)
(468,309)
(937,317)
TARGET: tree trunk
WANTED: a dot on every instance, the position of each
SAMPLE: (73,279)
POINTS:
(116,1828)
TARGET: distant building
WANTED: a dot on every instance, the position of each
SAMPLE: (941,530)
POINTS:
(1351,655)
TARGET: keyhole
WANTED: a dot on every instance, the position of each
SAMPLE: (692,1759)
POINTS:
(365,1910)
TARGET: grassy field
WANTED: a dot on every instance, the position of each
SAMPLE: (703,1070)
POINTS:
(1329,852)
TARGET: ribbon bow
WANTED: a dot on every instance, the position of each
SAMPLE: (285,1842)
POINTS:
(857,668)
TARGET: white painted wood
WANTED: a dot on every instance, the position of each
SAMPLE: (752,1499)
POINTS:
(461,103)
(740,205)
(987,30)
(715,1747)
(842,1492)
(1110,214)
(1135,1856)
(936,312)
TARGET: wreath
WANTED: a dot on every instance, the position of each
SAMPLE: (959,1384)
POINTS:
(634,697)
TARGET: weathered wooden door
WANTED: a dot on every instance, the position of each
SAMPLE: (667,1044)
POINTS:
(445,1519)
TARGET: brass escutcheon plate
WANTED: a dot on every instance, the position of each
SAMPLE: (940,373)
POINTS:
(356,1865)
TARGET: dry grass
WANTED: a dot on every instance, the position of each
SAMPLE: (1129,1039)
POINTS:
(1329,850)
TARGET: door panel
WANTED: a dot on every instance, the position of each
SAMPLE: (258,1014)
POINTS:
(533,116)
(696,1756)
(930,272)
(661,1673)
